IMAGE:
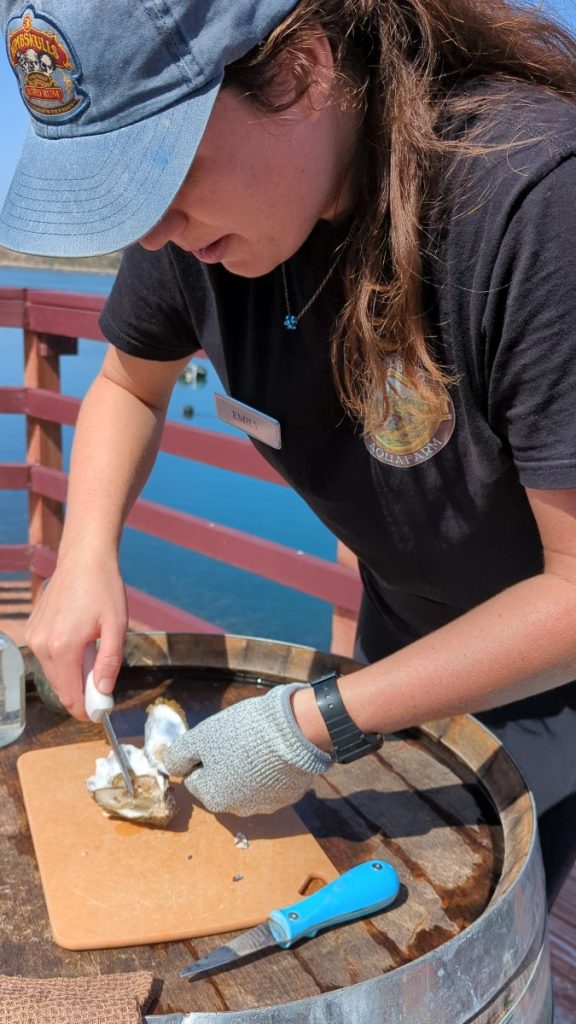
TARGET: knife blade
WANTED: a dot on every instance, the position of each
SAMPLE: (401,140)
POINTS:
(166,1018)
(363,890)
(98,707)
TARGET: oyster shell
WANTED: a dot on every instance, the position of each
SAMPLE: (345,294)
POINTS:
(165,722)
(154,802)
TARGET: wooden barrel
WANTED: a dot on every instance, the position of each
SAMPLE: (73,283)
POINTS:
(466,940)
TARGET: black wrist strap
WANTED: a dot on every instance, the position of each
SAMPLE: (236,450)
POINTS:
(348,740)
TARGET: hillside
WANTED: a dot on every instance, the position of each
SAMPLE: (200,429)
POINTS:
(91,264)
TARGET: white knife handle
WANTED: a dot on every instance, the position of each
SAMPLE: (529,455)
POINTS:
(96,703)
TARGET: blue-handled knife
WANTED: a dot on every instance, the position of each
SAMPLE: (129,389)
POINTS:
(359,892)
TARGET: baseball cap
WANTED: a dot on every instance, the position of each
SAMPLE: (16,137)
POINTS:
(119,93)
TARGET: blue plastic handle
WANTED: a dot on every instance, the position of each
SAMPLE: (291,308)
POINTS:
(359,892)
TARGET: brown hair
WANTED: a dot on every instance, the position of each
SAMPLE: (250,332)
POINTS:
(405,62)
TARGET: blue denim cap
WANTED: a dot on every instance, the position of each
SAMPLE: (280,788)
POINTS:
(119,94)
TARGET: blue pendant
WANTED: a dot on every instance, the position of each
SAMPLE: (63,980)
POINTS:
(290,322)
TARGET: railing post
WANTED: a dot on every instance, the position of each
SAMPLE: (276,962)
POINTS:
(43,445)
(344,620)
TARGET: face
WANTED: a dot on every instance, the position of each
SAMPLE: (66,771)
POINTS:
(259,183)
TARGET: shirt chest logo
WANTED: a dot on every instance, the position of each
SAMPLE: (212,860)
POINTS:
(412,431)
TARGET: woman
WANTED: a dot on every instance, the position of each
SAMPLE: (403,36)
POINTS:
(382,193)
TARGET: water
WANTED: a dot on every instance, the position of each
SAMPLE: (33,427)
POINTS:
(12,691)
(238,601)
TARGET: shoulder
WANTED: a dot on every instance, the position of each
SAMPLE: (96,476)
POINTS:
(508,140)
(140,265)
(491,113)
(522,113)
(146,313)
(505,147)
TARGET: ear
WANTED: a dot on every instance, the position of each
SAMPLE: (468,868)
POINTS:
(321,71)
(305,75)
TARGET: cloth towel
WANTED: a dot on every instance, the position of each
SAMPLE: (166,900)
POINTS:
(104,999)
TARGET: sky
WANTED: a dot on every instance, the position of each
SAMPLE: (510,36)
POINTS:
(14,117)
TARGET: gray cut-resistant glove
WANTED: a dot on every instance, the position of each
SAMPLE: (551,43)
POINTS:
(251,758)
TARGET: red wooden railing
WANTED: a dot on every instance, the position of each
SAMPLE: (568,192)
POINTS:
(51,323)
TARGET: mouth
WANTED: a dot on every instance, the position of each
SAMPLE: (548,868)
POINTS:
(212,253)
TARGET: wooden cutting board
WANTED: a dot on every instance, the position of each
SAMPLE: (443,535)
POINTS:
(109,883)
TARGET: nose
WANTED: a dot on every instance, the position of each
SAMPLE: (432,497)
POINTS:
(168,229)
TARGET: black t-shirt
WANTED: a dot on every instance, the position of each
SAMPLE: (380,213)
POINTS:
(435,510)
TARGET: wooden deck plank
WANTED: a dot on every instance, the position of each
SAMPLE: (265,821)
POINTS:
(15,604)
(15,607)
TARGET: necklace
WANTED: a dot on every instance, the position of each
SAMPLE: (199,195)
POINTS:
(291,320)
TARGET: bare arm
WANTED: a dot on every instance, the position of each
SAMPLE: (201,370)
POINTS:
(520,642)
(115,444)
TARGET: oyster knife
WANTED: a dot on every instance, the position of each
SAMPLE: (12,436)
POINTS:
(98,706)
(364,889)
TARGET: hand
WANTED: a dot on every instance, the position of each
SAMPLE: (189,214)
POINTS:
(251,758)
(81,603)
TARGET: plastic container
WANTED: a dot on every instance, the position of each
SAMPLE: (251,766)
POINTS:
(12,691)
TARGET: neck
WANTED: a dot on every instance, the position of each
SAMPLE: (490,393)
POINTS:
(348,164)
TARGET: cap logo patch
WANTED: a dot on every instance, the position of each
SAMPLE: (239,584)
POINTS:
(46,67)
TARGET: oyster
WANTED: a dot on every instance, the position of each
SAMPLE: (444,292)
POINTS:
(165,722)
(154,802)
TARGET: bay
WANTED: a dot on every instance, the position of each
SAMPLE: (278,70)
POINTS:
(238,601)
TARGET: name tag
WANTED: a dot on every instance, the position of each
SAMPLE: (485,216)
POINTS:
(264,428)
